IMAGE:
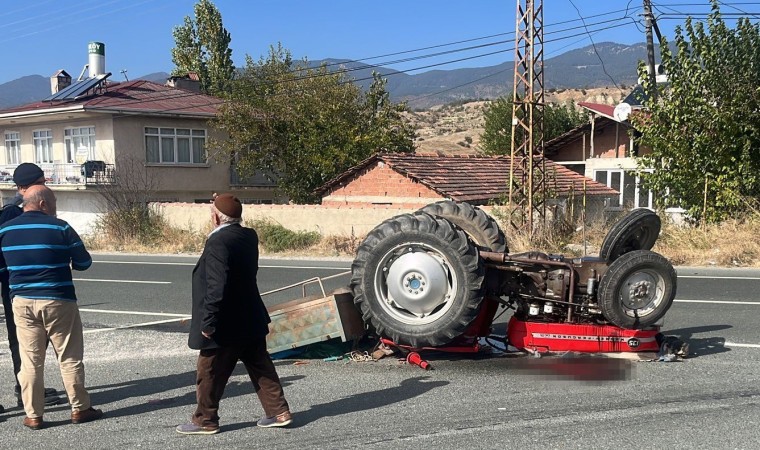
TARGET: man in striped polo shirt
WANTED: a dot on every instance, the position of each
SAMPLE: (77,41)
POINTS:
(25,175)
(39,251)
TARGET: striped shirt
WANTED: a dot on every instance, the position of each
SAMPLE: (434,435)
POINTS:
(38,252)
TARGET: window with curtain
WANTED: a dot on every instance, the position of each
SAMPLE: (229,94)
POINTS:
(12,147)
(43,146)
(80,140)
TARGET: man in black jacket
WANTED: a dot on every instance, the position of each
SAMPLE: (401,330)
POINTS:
(230,322)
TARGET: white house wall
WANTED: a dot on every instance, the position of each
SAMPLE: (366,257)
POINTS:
(593,164)
(79,208)
(176,182)
(104,140)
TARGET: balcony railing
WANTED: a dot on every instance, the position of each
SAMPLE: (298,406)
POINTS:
(91,173)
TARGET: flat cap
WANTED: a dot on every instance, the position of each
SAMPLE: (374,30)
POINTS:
(27,173)
(229,205)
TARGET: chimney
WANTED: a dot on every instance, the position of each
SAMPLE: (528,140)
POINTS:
(190,82)
(97,58)
(59,81)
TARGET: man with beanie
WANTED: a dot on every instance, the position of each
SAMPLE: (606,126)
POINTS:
(230,322)
(25,176)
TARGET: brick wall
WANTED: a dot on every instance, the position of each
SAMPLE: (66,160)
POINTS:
(381,185)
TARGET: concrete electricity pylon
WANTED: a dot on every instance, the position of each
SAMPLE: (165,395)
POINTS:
(527,176)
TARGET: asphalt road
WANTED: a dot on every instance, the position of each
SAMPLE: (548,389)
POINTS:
(141,373)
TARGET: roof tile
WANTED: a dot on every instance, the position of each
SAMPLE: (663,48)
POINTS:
(476,179)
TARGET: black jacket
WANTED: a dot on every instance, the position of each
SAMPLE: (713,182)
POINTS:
(8,212)
(226,297)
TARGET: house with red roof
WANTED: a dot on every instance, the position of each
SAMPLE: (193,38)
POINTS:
(87,130)
(410,180)
(604,149)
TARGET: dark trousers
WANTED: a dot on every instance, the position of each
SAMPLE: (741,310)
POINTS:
(215,367)
(10,324)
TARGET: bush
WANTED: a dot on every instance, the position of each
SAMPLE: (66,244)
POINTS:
(273,237)
(136,223)
(142,231)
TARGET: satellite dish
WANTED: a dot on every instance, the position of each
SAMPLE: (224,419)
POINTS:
(621,112)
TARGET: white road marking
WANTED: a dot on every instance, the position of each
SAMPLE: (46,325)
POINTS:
(153,263)
(178,318)
(718,277)
(134,313)
(122,281)
(135,325)
(303,267)
(734,344)
(147,263)
(718,302)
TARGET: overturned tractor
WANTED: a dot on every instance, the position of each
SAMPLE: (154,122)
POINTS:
(428,278)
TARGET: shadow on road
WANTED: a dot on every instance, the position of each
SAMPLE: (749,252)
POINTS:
(155,387)
(408,389)
(702,346)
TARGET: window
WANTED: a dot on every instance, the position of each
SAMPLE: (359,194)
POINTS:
(628,184)
(12,147)
(175,146)
(80,144)
(43,146)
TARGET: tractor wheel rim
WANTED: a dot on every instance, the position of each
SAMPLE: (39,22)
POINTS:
(642,292)
(415,284)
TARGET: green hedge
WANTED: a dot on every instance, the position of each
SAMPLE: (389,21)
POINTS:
(273,237)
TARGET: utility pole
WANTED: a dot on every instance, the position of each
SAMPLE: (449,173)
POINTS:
(527,170)
(649,18)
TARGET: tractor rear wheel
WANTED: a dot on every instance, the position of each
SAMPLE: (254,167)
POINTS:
(417,280)
(478,225)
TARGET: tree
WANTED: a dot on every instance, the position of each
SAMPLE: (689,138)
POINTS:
(497,134)
(703,128)
(306,125)
(126,196)
(203,46)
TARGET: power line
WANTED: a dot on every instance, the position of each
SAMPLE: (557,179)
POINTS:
(220,101)
(604,69)
(68,23)
(738,9)
(557,50)
(509,33)
(448,52)
(585,26)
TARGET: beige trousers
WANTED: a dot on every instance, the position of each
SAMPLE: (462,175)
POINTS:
(38,321)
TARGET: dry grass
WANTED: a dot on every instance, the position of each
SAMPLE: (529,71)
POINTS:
(168,240)
(455,129)
(732,243)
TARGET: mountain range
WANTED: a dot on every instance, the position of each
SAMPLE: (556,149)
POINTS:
(603,64)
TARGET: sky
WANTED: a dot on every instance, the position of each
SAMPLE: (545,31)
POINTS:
(38,37)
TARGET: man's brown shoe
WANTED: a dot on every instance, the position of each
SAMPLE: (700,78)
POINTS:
(88,415)
(35,423)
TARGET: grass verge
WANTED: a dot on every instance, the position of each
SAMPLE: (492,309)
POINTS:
(732,243)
